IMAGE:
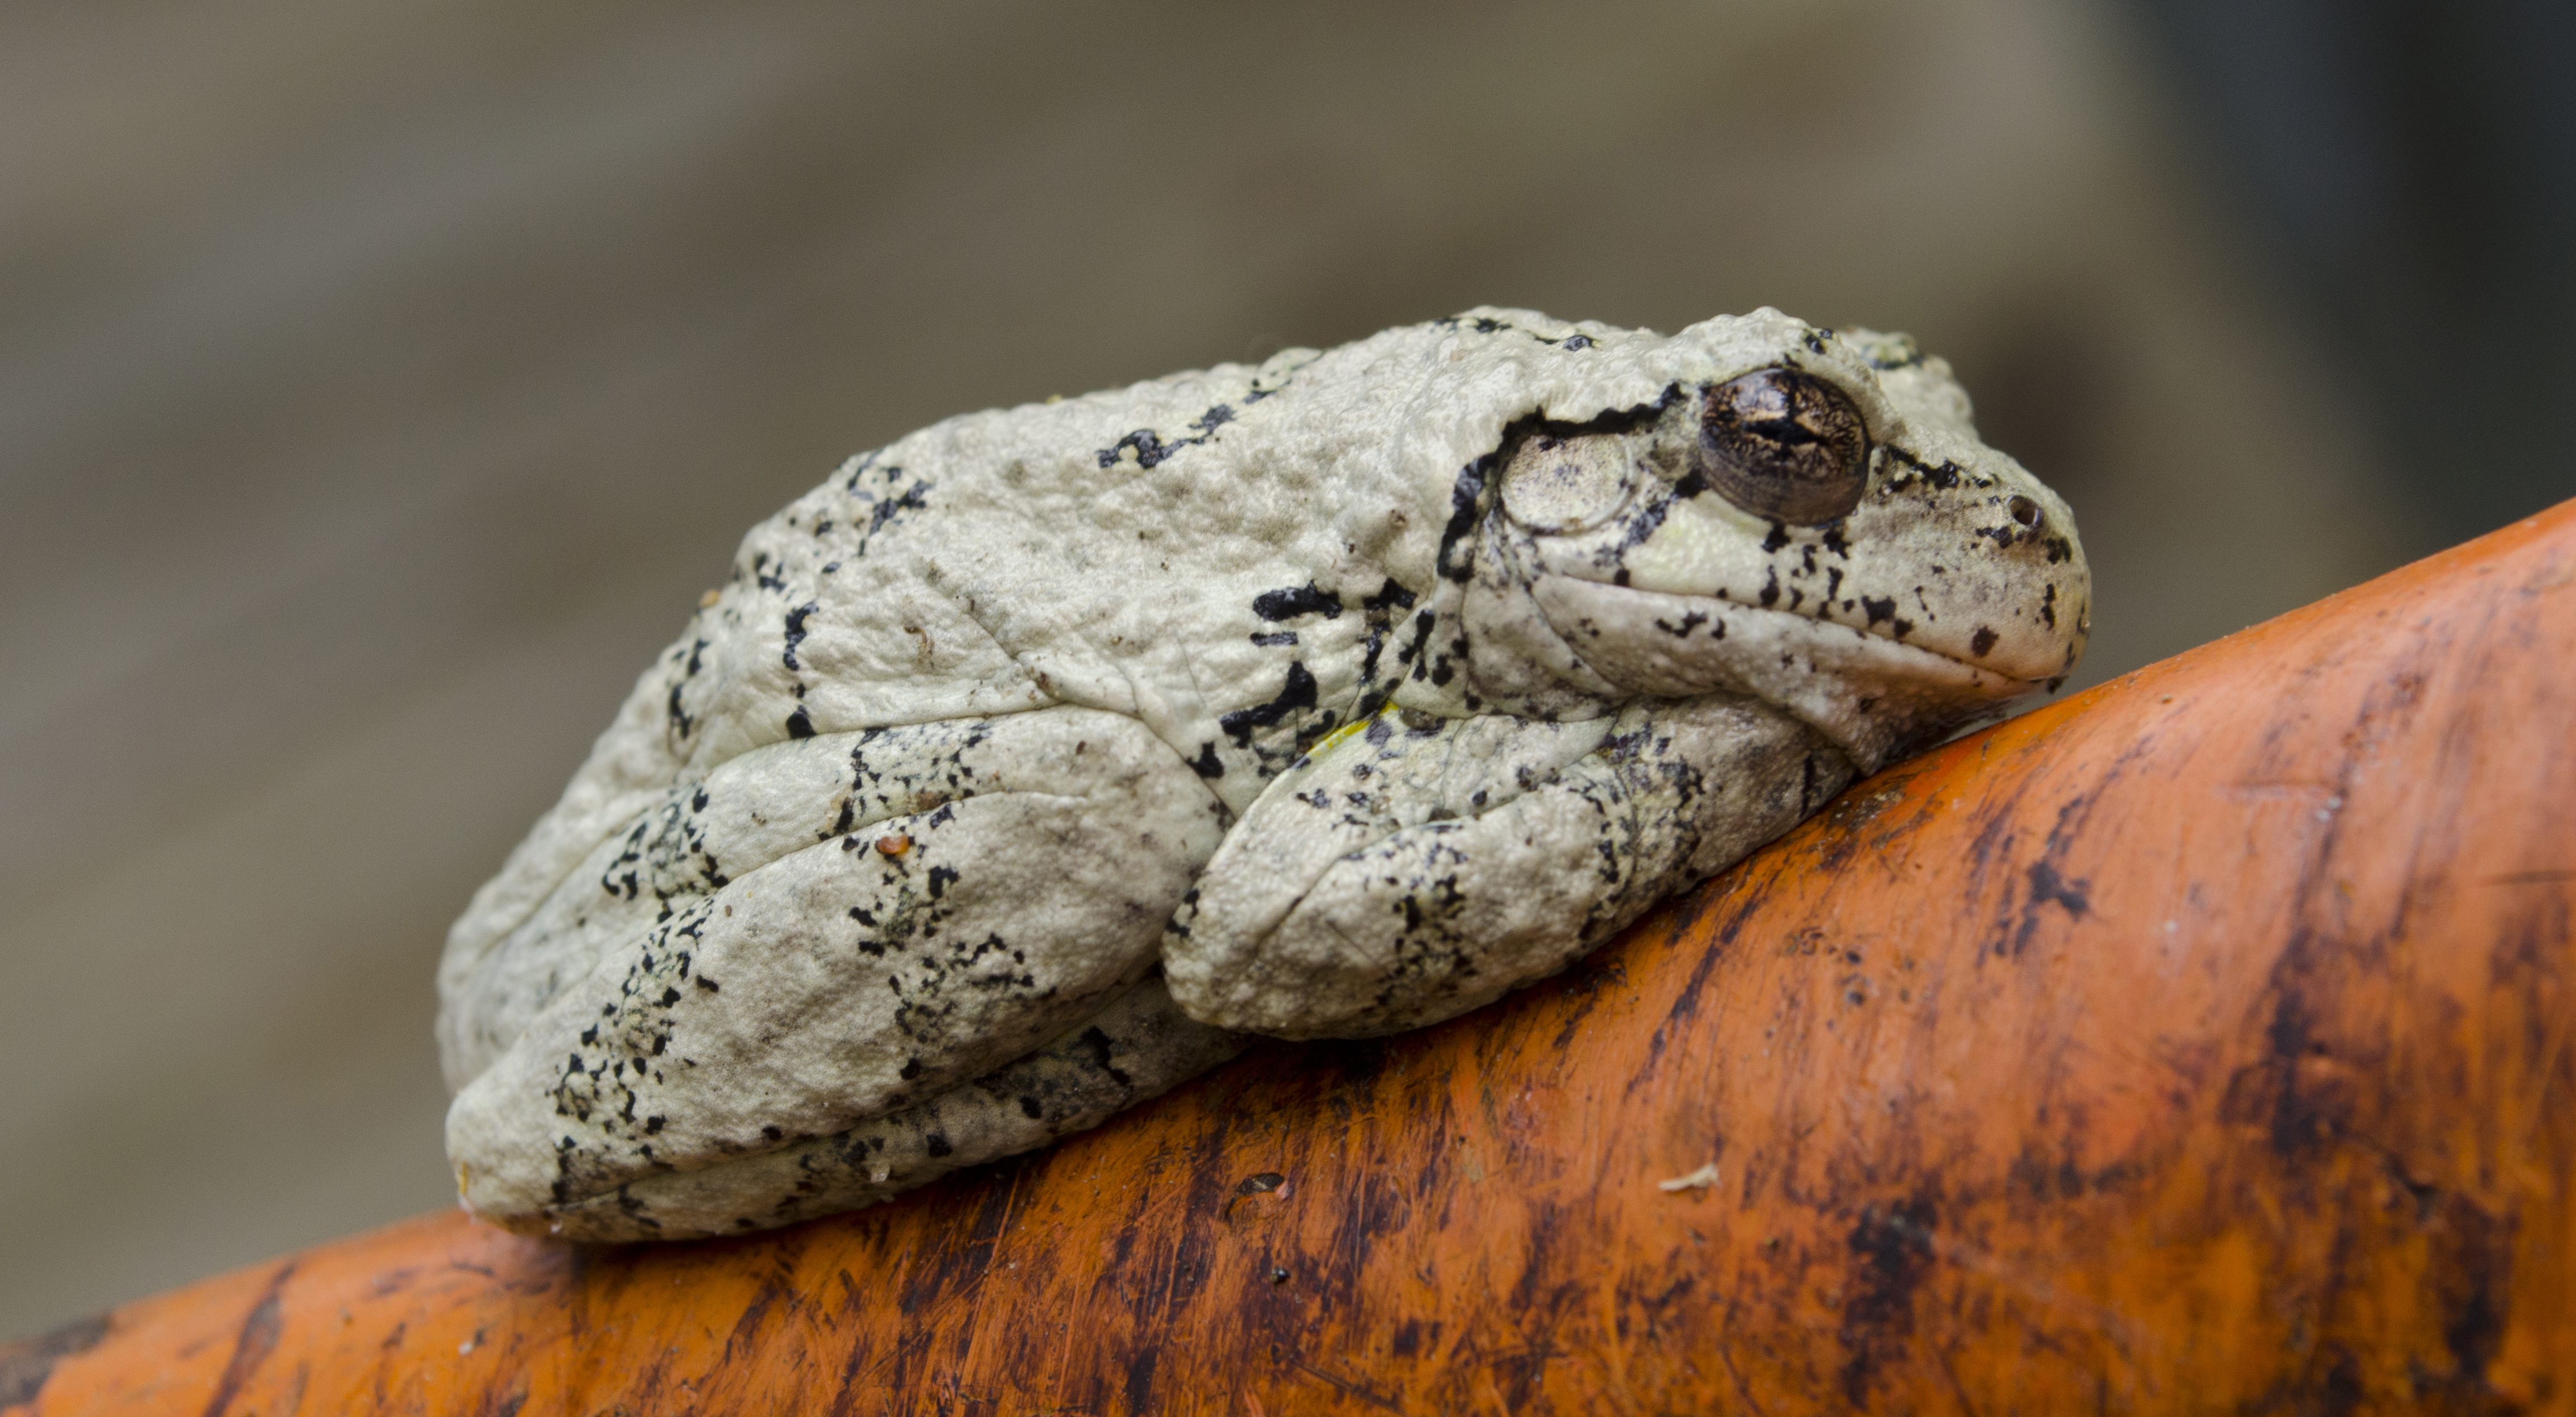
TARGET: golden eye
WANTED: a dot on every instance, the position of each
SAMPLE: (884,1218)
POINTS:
(1784,444)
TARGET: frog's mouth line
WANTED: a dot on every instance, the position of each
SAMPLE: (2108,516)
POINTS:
(1883,634)
(1873,697)
(1689,619)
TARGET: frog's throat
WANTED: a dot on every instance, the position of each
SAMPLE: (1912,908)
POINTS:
(1870,695)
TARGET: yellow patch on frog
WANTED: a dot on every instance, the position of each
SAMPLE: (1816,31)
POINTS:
(1333,740)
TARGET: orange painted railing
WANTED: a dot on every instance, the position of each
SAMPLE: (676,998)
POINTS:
(2205,1043)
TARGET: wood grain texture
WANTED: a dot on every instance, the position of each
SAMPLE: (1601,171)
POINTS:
(2205,1043)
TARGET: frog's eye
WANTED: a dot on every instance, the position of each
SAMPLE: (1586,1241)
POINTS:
(1784,444)
(1556,485)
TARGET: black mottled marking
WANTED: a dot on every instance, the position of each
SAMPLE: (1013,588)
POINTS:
(936,1143)
(1879,611)
(1297,693)
(1102,1048)
(1643,523)
(2048,605)
(1390,596)
(1777,537)
(1308,599)
(912,499)
(1029,1107)
(1275,638)
(1466,496)
(796,631)
(1206,764)
(800,724)
(1149,447)
(1944,476)
(1983,640)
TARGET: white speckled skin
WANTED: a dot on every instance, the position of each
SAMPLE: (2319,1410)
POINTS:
(1353,690)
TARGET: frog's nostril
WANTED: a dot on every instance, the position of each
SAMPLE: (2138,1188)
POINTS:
(2024,511)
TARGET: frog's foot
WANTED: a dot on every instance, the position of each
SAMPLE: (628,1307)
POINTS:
(1403,875)
(1022,884)
(1136,1048)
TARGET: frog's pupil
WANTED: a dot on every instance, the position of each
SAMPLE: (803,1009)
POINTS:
(1785,444)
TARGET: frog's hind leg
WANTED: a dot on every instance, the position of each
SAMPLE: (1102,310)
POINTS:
(983,888)
(1136,1048)
(1407,874)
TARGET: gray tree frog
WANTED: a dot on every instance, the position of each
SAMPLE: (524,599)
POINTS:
(1029,764)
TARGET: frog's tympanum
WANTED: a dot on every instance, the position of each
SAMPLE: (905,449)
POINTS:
(1030,764)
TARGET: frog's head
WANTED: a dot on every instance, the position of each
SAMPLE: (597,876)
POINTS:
(1822,530)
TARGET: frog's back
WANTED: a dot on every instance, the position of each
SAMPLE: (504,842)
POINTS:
(1217,554)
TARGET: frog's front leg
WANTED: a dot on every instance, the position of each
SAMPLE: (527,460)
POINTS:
(975,890)
(1403,874)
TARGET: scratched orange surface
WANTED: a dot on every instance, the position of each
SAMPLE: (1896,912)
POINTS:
(2200,1044)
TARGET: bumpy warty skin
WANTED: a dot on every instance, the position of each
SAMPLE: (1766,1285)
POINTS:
(1351,690)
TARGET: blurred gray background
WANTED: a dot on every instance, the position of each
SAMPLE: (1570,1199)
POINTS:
(381,383)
